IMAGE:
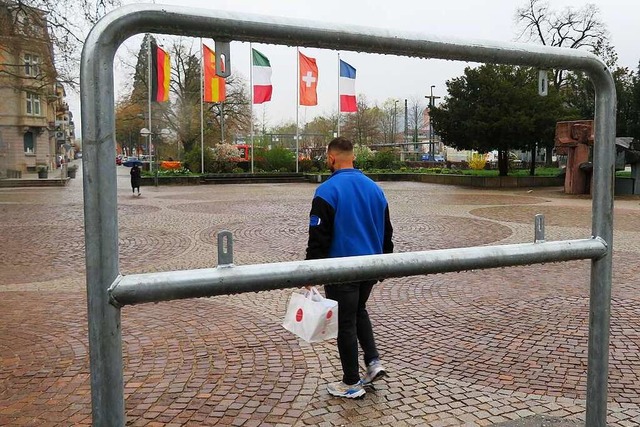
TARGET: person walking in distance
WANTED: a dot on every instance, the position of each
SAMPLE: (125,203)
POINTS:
(350,217)
(136,177)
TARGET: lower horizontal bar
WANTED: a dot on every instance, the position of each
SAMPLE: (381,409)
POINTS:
(165,286)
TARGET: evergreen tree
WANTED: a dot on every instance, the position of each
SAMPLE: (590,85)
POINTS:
(497,107)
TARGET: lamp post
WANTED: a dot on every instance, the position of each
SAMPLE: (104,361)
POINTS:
(431,103)
(222,117)
(394,124)
(147,133)
(406,126)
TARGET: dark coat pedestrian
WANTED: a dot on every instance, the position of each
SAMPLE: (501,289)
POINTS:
(136,177)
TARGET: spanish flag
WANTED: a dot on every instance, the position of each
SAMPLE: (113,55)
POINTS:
(214,86)
(160,74)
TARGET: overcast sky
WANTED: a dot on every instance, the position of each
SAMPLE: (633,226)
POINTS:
(381,77)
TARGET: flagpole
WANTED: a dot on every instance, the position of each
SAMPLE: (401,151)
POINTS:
(338,134)
(201,108)
(297,102)
(252,99)
(149,103)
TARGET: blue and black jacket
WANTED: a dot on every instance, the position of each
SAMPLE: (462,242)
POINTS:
(349,217)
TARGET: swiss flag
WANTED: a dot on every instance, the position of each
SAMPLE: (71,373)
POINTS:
(308,80)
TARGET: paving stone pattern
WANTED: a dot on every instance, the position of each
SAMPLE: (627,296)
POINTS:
(473,348)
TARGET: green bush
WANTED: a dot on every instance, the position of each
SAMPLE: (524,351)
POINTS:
(224,158)
(169,172)
(385,159)
(305,165)
(221,158)
(277,159)
(363,157)
(192,159)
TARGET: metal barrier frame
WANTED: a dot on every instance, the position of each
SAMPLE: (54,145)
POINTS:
(107,291)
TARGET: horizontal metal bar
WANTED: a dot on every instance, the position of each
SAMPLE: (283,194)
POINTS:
(134,19)
(154,287)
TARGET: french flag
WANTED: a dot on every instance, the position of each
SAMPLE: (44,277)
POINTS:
(347,88)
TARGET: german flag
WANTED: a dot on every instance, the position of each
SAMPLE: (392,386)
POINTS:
(214,85)
(160,74)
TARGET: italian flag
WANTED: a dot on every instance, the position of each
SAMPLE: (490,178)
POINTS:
(261,72)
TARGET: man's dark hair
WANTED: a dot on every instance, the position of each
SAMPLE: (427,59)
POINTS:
(340,144)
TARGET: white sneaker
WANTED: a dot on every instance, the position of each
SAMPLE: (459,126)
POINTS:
(375,371)
(341,389)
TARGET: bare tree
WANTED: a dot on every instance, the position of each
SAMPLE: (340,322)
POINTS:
(361,126)
(386,119)
(416,117)
(571,28)
(182,113)
(67,28)
(25,48)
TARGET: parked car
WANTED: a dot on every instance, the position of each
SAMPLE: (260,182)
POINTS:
(428,158)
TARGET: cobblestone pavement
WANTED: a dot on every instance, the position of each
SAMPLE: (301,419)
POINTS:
(472,348)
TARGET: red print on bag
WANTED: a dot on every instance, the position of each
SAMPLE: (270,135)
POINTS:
(299,315)
(329,314)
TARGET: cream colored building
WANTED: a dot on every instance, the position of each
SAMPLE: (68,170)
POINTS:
(35,122)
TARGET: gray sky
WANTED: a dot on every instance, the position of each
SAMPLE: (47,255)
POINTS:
(382,76)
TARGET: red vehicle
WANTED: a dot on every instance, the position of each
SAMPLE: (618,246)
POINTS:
(244,152)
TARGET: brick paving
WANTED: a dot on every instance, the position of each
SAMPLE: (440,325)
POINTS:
(473,348)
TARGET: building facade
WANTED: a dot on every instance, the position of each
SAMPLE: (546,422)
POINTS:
(35,123)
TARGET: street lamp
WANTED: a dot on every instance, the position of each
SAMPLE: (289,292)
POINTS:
(148,134)
(394,125)
(406,126)
(222,117)
(431,103)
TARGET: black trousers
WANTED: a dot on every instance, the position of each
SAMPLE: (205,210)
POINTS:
(353,326)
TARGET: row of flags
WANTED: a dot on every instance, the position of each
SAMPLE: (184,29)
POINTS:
(215,88)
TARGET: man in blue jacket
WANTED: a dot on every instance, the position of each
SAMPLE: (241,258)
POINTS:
(349,217)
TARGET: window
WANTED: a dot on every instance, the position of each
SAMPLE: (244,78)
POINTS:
(28,142)
(31,65)
(33,104)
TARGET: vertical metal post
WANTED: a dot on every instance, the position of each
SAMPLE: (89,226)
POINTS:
(394,125)
(406,126)
(225,248)
(539,229)
(221,106)
(149,68)
(601,269)
(101,230)
(431,148)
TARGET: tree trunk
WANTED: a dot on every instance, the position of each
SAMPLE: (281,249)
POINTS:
(503,162)
(548,159)
(532,166)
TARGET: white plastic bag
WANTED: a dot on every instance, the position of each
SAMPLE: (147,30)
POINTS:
(311,316)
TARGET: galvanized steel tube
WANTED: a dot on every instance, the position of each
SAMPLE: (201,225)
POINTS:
(101,227)
(154,287)
(604,152)
(98,129)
